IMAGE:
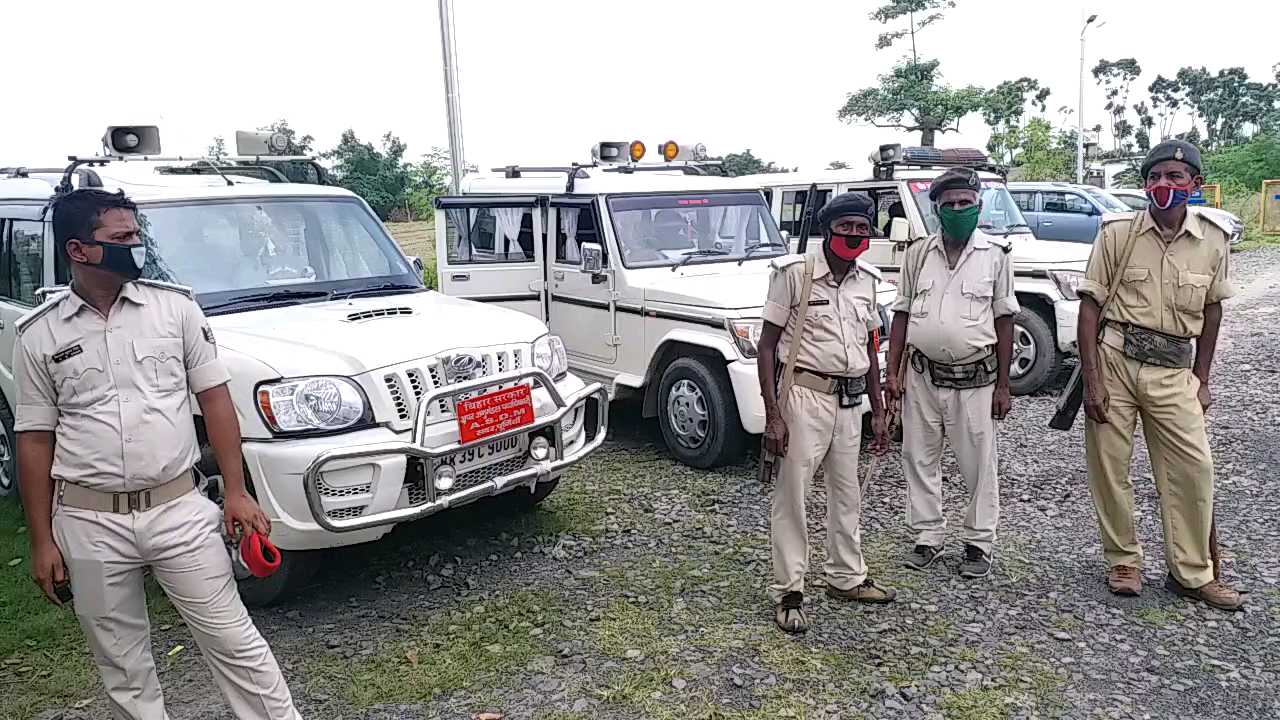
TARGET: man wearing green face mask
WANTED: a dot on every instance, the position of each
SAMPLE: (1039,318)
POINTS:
(953,324)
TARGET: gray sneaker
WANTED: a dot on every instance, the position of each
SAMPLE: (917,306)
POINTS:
(923,556)
(977,564)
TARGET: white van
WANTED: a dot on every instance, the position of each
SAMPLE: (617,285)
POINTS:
(654,275)
(1046,272)
(344,368)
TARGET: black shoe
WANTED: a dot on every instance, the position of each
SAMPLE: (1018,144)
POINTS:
(923,556)
(976,563)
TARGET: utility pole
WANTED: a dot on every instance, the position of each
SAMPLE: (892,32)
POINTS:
(452,104)
(1079,108)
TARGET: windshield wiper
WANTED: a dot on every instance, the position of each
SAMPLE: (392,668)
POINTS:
(387,288)
(1009,230)
(696,253)
(747,255)
(272,297)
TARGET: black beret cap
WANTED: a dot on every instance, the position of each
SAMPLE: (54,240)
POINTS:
(1179,150)
(956,178)
(844,205)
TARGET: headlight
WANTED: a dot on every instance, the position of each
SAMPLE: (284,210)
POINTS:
(746,333)
(312,404)
(549,356)
(1067,281)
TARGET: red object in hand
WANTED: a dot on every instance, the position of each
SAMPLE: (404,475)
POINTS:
(259,555)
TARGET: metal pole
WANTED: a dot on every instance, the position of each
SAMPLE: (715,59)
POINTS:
(1080,116)
(452,105)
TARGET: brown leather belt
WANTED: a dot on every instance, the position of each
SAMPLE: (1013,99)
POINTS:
(829,384)
(83,498)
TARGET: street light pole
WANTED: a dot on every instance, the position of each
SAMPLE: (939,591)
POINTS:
(453,106)
(1080,108)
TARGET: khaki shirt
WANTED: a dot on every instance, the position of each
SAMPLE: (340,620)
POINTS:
(1165,287)
(840,320)
(952,312)
(116,391)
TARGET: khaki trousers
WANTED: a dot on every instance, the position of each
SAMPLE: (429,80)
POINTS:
(1178,446)
(930,413)
(182,543)
(821,434)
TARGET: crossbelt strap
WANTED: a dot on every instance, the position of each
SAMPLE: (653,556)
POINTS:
(789,369)
(83,498)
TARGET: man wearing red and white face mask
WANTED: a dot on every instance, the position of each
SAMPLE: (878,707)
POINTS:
(1168,269)
(818,422)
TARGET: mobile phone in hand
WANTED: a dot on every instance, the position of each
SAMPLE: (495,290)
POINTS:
(62,591)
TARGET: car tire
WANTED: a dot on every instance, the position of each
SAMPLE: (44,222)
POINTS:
(525,500)
(8,452)
(297,567)
(698,414)
(1036,359)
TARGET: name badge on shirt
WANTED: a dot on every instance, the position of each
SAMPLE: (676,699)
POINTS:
(67,353)
(813,303)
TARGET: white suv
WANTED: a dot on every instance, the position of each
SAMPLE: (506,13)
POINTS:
(344,368)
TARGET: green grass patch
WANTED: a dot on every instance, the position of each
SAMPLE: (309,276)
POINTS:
(1158,616)
(483,647)
(976,705)
(42,647)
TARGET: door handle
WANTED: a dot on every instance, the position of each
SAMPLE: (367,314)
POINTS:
(559,274)
(1046,223)
(460,277)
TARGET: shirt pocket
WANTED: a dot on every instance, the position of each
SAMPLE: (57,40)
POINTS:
(1192,289)
(1135,288)
(920,301)
(976,306)
(80,380)
(160,366)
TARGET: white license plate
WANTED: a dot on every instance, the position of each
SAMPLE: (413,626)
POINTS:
(484,453)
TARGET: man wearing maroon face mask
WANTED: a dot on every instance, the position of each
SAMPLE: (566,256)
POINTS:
(819,420)
(1167,266)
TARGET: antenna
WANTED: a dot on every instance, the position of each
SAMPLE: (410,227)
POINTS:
(215,169)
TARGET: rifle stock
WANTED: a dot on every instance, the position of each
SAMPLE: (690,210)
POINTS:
(1069,402)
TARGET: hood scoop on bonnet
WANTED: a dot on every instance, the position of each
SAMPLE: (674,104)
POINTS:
(376,313)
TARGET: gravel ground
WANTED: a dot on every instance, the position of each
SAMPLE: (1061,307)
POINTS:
(637,591)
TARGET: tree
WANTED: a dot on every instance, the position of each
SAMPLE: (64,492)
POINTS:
(743,163)
(217,149)
(1044,157)
(1145,123)
(895,10)
(1117,78)
(1004,108)
(380,176)
(430,178)
(913,98)
(1231,107)
(1246,165)
(1168,98)
(838,165)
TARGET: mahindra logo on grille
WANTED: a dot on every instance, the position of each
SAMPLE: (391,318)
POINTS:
(462,367)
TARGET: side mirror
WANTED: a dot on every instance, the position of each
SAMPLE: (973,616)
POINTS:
(592,258)
(417,263)
(899,230)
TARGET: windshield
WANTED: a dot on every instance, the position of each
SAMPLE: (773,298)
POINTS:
(1107,200)
(1000,214)
(663,230)
(225,249)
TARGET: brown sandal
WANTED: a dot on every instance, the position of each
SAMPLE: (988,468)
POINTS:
(789,614)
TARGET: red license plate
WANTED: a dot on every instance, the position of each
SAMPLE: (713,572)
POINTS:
(493,413)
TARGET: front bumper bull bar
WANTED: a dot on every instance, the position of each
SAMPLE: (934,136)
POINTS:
(538,471)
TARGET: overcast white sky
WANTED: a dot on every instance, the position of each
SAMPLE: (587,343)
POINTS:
(542,80)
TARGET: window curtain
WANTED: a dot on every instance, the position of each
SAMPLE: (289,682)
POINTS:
(569,221)
(508,223)
(459,218)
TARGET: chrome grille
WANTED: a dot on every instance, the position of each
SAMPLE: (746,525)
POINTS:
(345,513)
(407,383)
(417,490)
(329,491)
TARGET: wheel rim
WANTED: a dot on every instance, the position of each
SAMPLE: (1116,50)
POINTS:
(6,462)
(687,413)
(1024,351)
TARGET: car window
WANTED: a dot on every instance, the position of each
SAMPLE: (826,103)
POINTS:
(488,235)
(1066,202)
(1108,201)
(1025,199)
(574,225)
(22,261)
(793,209)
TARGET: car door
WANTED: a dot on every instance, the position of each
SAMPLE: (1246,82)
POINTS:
(1027,200)
(582,309)
(490,249)
(1067,215)
(22,271)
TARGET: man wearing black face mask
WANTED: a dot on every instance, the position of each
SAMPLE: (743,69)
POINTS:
(106,444)
(818,421)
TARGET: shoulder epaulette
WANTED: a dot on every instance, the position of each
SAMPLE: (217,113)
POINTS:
(39,311)
(1001,242)
(869,269)
(1110,217)
(1215,220)
(779,263)
(173,287)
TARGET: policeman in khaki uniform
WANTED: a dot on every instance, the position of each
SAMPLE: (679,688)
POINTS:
(106,445)
(819,421)
(952,323)
(1153,361)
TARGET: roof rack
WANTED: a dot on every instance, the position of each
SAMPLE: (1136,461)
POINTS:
(576,171)
(889,157)
(81,165)
(88,178)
